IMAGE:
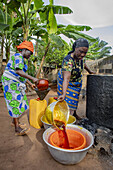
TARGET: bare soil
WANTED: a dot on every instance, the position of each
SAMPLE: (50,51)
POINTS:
(31,153)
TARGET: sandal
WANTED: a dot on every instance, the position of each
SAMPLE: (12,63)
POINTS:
(22,132)
(22,125)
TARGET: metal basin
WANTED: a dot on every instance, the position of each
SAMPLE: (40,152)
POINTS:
(65,156)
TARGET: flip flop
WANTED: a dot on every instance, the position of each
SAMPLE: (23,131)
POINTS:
(22,132)
(22,125)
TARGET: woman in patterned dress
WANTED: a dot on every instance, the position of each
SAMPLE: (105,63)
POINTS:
(13,81)
(69,81)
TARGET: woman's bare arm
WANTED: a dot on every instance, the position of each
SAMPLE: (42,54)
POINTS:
(66,79)
(88,69)
(25,75)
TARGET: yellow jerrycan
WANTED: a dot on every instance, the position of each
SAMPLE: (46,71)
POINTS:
(37,109)
(51,100)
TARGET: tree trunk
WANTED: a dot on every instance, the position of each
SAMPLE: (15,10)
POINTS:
(36,47)
(1,56)
(46,50)
(25,31)
(7,52)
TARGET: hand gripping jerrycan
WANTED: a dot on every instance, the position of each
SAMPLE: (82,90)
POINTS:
(37,109)
(57,113)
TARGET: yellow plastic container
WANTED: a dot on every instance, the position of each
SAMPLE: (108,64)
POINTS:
(51,100)
(36,111)
(57,113)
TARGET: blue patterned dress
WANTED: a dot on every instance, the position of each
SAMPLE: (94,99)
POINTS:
(14,86)
(75,84)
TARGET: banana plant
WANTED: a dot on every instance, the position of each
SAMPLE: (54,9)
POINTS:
(55,54)
(10,32)
(4,24)
(98,49)
(54,30)
(23,10)
(26,10)
(2,27)
(48,17)
(75,31)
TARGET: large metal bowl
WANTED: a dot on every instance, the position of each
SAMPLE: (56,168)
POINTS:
(65,156)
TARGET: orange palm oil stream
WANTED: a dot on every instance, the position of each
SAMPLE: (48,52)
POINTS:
(63,138)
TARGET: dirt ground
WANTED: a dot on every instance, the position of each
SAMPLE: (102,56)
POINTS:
(31,153)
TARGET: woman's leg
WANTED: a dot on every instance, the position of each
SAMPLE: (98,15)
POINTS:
(22,125)
(16,123)
(19,131)
(71,112)
(75,115)
(13,121)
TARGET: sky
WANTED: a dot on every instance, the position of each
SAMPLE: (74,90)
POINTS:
(98,14)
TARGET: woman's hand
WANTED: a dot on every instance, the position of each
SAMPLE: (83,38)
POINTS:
(61,97)
(92,72)
(88,69)
(33,86)
(66,78)
(25,75)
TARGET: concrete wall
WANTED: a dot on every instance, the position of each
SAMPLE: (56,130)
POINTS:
(103,65)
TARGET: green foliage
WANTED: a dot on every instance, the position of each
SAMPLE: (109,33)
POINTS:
(51,2)
(22,1)
(98,49)
(78,27)
(2,17)
(13,4)
(57,39)
(18,31)
(76,34)
(55,54)
(3,1)
(40,31)
(3,24)
(38,4)
(48,31)
(52,24)
(48,15)
(31,68)
(61,9)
